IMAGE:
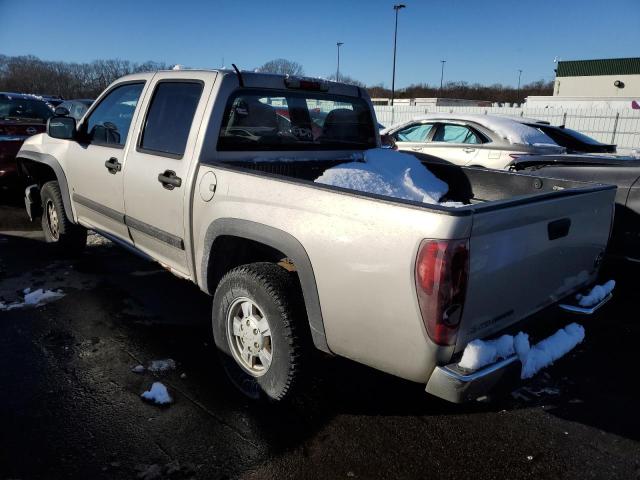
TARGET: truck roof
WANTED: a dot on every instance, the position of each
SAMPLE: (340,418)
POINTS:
(252,79)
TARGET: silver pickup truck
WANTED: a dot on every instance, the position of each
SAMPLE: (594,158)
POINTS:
(211,174)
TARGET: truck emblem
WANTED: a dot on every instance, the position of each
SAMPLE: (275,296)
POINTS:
(31,131)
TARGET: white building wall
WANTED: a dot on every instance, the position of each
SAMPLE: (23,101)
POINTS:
(597,86)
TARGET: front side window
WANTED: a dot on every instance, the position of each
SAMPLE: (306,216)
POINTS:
(170,116)
(414,133)
(109,123)
(456,134)
(288,120)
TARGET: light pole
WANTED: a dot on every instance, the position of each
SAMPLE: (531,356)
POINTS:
(442,73)
(338,44)
(395,40)
(519,75)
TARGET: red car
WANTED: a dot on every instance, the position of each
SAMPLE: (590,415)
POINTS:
(21,116)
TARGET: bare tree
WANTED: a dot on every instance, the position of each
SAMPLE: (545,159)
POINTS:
(29,74)
(282,66)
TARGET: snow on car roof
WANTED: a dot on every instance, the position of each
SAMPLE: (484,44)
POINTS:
(508,128)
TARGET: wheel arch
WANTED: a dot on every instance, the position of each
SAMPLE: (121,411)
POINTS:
(272,242)
(42,167)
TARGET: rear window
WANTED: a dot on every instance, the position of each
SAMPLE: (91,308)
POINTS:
(24,108)
(284,120)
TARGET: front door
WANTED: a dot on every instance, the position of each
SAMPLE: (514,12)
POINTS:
(156,176)
(94,164)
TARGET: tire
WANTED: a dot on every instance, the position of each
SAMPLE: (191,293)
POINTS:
(254,294)
(68,237)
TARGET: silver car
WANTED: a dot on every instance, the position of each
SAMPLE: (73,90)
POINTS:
(489,141)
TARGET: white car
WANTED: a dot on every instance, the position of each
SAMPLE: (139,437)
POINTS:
(489,141)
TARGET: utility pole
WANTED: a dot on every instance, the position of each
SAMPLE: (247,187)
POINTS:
(442,73)
(397,8)
(339,44)
(519,76)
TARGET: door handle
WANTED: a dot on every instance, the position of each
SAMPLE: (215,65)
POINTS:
(416,149)
(169,179)
(113,165)
(469,150)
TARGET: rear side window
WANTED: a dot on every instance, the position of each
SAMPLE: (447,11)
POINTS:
(170,116)
(456,134)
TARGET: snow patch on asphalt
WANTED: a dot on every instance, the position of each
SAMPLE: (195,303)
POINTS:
(596,295)
(389,173)
(165,365)
(479,353)
(157,394)
(33,299)
(138,369)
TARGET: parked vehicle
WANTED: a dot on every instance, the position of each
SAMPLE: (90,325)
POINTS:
(488,141)
(74,108)
(624,172)
(190,168)
(53,100)
(20,117)
(573,141)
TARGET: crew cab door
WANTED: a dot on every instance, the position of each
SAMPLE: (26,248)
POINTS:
(94,163)
(161,162)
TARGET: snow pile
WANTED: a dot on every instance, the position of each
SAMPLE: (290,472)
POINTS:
(157,394)
(390,173)
(511,129)
(596,295)
(479,353)
(550,349)
(33,299)
(157,366)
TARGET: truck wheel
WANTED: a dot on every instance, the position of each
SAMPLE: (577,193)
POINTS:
(258,326)
(68,237)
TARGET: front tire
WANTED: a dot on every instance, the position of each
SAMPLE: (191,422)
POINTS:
(69,238)
(258,325)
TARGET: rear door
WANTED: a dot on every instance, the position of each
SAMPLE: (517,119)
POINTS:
(525,257)
(156,187)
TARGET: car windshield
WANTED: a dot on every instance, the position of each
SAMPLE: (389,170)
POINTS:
(24,108)
(285,120)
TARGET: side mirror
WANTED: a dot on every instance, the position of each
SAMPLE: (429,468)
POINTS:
(62,127)
(62,112)
(388,141)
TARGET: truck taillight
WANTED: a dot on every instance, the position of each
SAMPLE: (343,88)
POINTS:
(442,273)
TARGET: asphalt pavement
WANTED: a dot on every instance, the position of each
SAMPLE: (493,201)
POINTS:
(70,405)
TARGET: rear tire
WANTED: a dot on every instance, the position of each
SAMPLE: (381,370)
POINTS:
(259,328)
(68,237)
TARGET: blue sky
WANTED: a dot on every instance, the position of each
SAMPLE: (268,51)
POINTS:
(482,41)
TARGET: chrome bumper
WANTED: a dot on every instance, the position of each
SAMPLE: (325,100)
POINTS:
(452,383)
(585,310)
(458,385)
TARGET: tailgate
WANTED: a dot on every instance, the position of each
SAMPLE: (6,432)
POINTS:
(526,256)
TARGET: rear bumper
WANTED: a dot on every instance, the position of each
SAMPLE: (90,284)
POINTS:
(452,384)
(457,385)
